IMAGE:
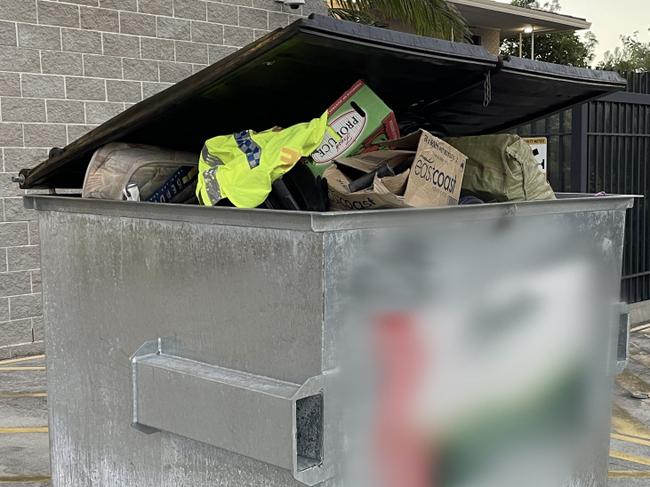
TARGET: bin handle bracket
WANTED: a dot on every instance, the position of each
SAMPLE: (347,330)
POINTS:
(277,422)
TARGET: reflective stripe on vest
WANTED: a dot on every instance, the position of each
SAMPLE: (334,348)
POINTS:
(249,147)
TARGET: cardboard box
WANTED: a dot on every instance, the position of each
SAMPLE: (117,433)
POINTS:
(360,120)
(434,177)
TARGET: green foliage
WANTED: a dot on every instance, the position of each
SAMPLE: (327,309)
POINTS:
(551,6)
(560,48)
(434,18)
(634,56)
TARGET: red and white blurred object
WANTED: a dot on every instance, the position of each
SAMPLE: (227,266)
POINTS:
(476,358)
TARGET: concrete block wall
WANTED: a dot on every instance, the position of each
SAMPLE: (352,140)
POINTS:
(67,66)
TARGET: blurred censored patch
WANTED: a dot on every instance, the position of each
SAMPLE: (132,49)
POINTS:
(475,354)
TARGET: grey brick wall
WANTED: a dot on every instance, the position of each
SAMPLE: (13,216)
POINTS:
(67,66)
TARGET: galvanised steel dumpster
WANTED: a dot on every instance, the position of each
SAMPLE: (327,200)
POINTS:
(218,346)
(217,332)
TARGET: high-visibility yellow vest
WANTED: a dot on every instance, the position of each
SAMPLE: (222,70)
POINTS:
(242,166)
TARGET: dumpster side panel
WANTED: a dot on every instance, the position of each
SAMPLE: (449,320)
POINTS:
(278,303)
(242,298)
(379,273)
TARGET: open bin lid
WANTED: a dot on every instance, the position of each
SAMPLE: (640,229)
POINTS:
(293,74)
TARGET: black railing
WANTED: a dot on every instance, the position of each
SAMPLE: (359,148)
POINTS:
(605,146)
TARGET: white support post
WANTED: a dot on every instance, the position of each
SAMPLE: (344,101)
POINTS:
(532,44)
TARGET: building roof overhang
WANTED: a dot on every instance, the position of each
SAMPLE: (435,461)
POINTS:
(508,19)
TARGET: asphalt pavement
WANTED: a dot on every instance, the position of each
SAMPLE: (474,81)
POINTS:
(24,446)
(24,458)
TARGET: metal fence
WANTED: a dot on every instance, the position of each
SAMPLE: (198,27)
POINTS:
(605,146)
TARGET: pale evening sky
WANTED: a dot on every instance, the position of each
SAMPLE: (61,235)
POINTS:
(610,19)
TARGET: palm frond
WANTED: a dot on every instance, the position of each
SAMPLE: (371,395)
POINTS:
(435,18)
(355,16)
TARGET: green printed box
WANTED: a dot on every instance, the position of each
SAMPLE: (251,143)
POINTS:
(359,120)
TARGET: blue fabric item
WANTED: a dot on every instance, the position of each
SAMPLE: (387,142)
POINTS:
(470,200)
(181,179)
(249,147)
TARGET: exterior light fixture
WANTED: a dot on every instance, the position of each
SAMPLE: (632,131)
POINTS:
(291,3)
(528,29)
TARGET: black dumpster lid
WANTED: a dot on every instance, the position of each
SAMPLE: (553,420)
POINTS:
(293,74)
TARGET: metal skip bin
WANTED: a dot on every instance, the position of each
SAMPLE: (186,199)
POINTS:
(454,346)
(220,333)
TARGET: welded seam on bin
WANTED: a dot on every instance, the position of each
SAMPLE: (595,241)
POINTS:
(326,222)
(312,221)
(323,280)
(170,212)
